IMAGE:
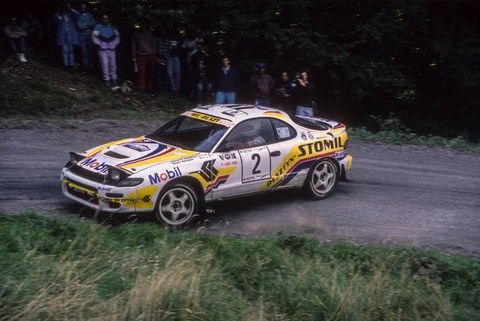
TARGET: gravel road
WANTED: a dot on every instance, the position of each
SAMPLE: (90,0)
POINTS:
(403,195)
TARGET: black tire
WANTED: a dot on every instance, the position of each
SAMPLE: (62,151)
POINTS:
(321,179)
(178,204)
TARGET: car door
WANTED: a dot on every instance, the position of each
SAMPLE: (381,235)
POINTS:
(251,141)
(283,154)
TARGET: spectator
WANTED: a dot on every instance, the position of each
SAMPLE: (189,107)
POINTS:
(143,53)
(107,38)
(162,50)
(16,37)
(34,32)
(262,84)
(173,65)
(85,25)
(201,73)
(189,47)
(284,92)
(226,83)
(303,92)
(67,35)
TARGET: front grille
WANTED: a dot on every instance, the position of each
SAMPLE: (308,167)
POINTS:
(82,172)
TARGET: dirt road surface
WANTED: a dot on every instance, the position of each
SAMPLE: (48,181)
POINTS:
(403,195)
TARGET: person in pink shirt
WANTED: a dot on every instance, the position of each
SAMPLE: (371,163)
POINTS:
(107,38)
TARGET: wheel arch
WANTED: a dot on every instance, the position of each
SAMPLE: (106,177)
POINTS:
(335,162)
(197,186)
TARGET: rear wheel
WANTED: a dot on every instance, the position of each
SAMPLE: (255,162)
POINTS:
(322,178)
(177,204)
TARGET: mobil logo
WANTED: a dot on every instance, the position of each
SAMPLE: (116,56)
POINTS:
(164,176)
(95,165)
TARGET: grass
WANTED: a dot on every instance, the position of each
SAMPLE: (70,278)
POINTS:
(73,269)
(402,137)
(37,89)
(391,129)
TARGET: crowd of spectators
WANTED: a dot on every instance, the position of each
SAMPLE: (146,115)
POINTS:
(159,61)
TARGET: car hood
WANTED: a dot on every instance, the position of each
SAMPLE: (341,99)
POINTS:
(131,154)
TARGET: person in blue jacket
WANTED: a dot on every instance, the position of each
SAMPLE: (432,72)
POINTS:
(67,35)
(85,25)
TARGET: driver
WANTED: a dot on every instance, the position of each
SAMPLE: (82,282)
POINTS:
(247,135)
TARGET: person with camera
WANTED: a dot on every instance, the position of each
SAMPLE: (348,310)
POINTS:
(303,90)
(262,84)
(201,73)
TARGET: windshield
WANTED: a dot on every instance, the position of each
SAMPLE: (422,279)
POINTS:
(189,133)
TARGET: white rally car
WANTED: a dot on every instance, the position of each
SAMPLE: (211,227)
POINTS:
(209,153)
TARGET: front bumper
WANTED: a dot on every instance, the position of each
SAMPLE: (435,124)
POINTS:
(106,198)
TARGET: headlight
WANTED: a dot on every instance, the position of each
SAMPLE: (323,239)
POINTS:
(130,182)
(114,174)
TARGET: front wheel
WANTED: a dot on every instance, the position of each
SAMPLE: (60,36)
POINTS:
(321,179)
(177,204)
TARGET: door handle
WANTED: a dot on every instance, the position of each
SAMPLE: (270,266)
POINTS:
(275,153)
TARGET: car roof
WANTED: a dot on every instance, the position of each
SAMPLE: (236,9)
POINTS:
(239,112)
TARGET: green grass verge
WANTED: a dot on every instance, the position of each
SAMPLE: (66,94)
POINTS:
(62,269)
(401,137)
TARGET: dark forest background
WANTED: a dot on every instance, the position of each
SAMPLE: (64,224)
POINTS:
(416,61)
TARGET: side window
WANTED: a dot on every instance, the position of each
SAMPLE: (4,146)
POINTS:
(250,133)
(283,131)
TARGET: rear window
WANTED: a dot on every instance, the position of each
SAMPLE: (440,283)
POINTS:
(310,123)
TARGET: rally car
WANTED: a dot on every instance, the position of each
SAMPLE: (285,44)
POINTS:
(209,153)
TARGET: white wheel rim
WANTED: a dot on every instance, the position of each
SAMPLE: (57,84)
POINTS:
(323,178)
(176,206)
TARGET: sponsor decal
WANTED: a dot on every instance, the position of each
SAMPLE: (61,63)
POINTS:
(210,177)
(302,157)
(208,118)
(208,172)
(164,176)
(310,135)
(161,149)
(137,147)
(95,165)
(279,172)
(320,146)
(304,137)
(219,181)
(129,202)
(228,156)
(182,160)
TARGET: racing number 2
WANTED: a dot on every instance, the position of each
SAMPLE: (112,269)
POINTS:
(255,169)
(255,164)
